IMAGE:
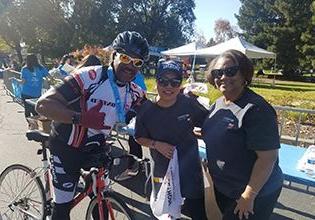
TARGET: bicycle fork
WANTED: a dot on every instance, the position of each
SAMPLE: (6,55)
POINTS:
(99,185)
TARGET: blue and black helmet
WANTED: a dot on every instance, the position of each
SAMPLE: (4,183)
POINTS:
(132,43)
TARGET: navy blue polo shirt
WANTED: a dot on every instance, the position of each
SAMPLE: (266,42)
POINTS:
(174,125)
(232,133)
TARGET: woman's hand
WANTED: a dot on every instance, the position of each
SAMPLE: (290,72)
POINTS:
(245,205)
(165,149)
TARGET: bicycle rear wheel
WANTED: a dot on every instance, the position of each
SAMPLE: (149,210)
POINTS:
(120,210)
(21,195)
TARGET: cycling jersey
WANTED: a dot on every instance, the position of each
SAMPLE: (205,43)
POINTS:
(83,90)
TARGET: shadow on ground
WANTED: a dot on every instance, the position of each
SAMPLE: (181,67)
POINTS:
(286,208)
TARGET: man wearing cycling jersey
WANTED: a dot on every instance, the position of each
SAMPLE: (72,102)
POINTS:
(84,109)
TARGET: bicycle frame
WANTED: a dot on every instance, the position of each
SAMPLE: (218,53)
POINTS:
(45,172)
(97,187)
(47,179)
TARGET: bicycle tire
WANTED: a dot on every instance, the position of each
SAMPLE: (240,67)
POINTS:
(30,204)
(121,210)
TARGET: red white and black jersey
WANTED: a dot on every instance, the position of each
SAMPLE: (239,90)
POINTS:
(83,90)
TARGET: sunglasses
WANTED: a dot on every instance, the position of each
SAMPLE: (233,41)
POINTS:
(229,72)
(164,82)
(124,58)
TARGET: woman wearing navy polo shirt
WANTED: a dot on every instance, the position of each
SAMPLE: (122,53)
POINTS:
(167,123)
(241,135)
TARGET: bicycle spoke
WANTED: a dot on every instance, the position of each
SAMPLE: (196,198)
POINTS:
(29,214)
(35,201)
(35,207)
(9,184)
(23,192)
(11,215)
(6,193)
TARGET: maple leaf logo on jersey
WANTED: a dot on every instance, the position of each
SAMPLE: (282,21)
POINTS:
(92,74)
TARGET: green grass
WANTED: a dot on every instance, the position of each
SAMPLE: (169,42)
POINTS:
(284,93)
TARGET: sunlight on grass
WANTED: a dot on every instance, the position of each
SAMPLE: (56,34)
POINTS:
(284,93)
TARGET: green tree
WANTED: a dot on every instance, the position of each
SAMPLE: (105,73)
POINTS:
(39,24)
(297,15)
(308,44)
(162,22)
(54,27)
(47,31)
(94,22)
(10,27)
(4,47)
(278,26)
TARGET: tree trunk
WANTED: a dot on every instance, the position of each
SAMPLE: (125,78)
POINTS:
(18,50)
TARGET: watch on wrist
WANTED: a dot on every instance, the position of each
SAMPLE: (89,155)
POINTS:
(76,118)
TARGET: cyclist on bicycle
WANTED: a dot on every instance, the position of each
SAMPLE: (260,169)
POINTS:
(84,109)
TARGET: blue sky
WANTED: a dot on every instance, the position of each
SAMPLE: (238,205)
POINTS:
(208,11)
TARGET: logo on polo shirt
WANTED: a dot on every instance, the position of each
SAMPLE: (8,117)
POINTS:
(67,185)
(230,123)
(220,164)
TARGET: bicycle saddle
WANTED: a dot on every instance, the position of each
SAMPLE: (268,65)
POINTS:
(38,136)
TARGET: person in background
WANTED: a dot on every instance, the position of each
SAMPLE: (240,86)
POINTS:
(32,77)
(66,65)
(168,123)
(89,60)
(242,142)
(14,65)
(139,80)
(260,72)
(84,109)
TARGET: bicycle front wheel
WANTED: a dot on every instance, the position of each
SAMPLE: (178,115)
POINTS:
(114,208)
(21,194)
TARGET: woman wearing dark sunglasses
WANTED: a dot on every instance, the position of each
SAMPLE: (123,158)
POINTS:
(167,123)
(242,139)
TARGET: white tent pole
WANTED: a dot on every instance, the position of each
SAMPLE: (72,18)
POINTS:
(193,66)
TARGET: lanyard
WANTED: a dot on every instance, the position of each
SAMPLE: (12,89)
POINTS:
(120,107)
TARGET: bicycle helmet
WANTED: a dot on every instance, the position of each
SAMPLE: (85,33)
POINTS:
(132,43)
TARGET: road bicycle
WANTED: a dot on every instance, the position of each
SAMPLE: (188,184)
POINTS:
(24,197)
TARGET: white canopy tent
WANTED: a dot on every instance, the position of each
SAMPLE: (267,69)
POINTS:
(236,43)
(185,50)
